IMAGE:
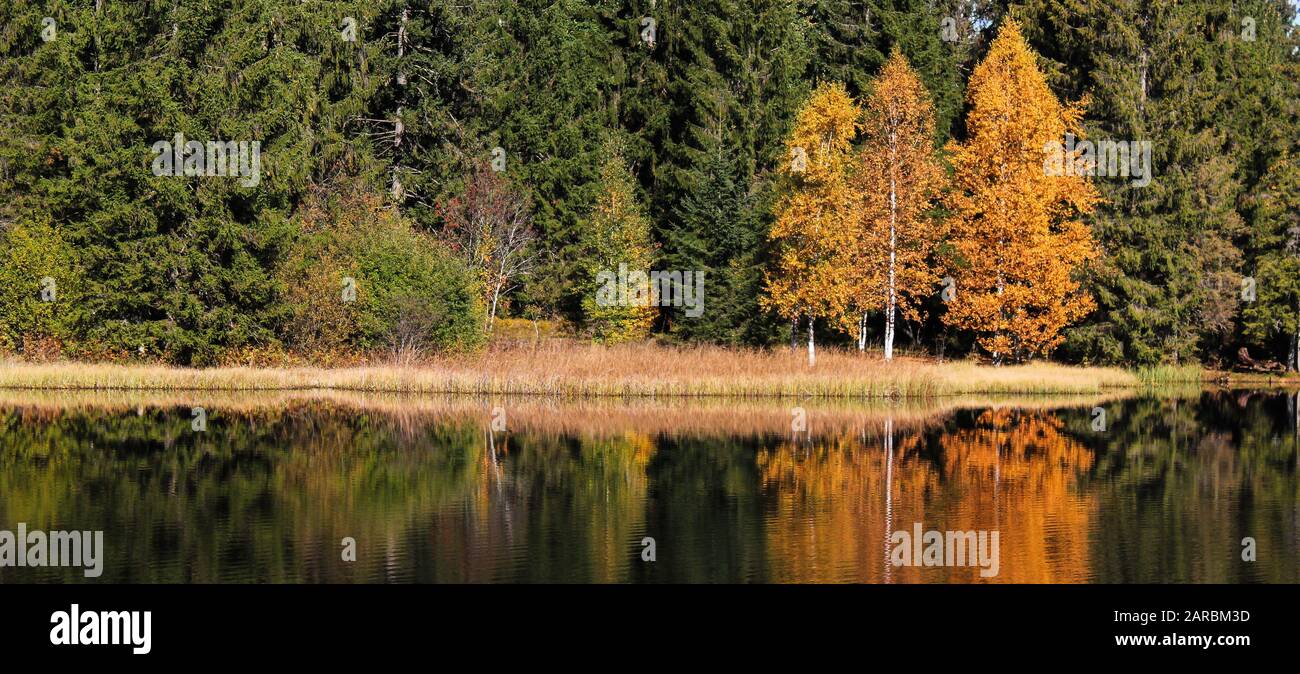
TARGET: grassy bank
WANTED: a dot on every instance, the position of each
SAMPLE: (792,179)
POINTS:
(577,370)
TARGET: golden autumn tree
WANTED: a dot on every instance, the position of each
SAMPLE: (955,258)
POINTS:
(1015,224)
(898,178)
(814,231)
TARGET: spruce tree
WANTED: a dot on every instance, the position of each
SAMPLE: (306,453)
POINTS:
(1211,98)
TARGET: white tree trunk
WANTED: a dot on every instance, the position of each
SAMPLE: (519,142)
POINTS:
(492,312)
(812,347)
(1293,359)
(891,303)
(862,332)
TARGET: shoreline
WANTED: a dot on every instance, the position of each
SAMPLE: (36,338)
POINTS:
(642,370)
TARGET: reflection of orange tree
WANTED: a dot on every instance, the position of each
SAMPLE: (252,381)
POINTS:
(832,524)
(840,499)
(1015,471)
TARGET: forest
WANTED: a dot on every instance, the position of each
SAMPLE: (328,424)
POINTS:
(204,182)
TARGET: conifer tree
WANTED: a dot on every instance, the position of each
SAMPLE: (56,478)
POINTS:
(173,266)
(715,231)
(1212,87)
(1273,314)
(851,40)
(735,77)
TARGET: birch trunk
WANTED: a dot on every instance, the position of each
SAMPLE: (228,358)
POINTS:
(812,347)
(891,304)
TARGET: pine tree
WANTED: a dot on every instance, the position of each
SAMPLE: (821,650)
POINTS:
(851,40)
(1215,102)
(430,74)
(716,233)
(173,266)
(179,267)
(1273,313)
(735,77)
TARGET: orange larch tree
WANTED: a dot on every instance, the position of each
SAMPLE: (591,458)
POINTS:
(814,230)
(898,178)
(1016,228)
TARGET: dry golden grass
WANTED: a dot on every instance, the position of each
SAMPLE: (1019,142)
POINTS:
(583,370)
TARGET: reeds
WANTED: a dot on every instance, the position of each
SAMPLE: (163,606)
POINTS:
(1164,375)
(585,370)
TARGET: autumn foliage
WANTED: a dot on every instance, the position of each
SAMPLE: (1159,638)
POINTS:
(858,233)
(897,180)
(617,233)
(1016,229)
(815,226)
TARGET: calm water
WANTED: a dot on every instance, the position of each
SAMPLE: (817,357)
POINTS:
(1165,492)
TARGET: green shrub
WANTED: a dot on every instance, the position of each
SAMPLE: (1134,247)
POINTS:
(40,286)
(408,295)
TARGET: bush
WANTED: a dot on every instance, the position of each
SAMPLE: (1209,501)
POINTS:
(359,278)
(39,289)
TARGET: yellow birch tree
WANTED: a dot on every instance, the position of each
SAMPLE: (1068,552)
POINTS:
(899,178)
(1016,230)
(814,230)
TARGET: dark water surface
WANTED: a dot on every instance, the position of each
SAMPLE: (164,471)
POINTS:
(1164,490)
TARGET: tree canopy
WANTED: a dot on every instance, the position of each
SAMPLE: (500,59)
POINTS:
(182,181)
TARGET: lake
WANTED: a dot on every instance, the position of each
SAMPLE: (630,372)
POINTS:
(265,488)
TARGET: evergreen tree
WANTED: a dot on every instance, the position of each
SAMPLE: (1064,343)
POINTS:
(851,40)
(178,266)
(549,111)
(1214,101)
(716,233)
(618,302)
(734,78)
(1273,313)
(176,259)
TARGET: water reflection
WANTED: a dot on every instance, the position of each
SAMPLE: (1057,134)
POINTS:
(727,490)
